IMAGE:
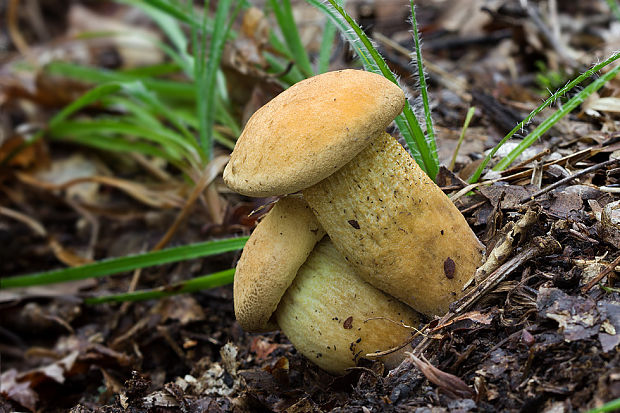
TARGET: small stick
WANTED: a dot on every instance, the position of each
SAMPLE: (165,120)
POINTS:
(473,207)
(527,161)
(611,267)
(540,246)
(505,247)
(569,178)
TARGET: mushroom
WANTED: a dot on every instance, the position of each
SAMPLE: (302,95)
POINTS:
(326,137)
(330,315)
(279,245)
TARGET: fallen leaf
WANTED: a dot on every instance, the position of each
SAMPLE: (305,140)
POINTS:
(449,383)
(18,391)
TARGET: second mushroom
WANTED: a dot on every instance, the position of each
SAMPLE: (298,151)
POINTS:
(313,295)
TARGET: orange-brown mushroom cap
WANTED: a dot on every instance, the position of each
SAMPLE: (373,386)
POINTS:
(310,130)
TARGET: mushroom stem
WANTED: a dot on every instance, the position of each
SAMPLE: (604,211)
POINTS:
(400,232)
(334,318)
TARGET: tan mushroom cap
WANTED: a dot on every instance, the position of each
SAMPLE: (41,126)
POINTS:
(311,130)
(269,262)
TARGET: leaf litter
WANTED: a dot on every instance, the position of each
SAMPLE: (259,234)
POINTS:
(539,330)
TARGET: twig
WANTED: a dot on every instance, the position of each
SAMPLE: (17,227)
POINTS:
(208,175)
(539,246)
(505,248)
(611,267)
(11,22)
(569,178)
(527,161)
(473,207)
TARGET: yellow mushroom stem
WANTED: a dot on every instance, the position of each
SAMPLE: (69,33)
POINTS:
(334,318)
(396,227)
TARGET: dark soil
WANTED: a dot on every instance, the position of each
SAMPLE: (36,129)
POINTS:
(540,333)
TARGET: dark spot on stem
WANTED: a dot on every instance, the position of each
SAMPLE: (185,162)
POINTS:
(348,323)
(449,267)
(354,223)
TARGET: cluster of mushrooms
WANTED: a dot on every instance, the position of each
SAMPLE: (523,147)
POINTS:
(366,242)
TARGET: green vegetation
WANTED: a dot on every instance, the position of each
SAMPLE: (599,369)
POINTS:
(181,120)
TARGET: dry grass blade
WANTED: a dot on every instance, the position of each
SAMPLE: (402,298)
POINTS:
(608,270)
(140,192)
(211,171)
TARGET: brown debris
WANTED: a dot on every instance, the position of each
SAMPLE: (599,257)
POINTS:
(539,331)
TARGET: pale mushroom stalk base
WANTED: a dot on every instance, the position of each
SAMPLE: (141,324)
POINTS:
(396,227)
(334,318)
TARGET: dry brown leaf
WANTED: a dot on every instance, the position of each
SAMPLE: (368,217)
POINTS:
(18,391)
(137,46)
(449,383)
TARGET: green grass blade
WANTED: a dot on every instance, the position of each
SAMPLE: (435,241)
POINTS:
(207,80)
(204,282)
(191,119)
(164,88)
(611,406)
(86,99)
(127,105)
(470,114)
(156,70)
(327,44)
(170,141)
(553,119)
(129,263)
(615,9)
(289,78)
(284,16)
(419,62)
(557,95)
(168,7)
(157,106)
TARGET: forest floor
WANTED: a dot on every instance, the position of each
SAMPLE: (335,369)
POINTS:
(540,334)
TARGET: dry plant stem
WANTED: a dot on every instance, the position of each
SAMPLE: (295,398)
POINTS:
(523,164)
(445,78)
(334,318)
(208,175)
(502,251)
(540,246)
(34,225)
(570,178)
(11,22)
(396,227)
(135,190)
(611,267)
(578,156)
